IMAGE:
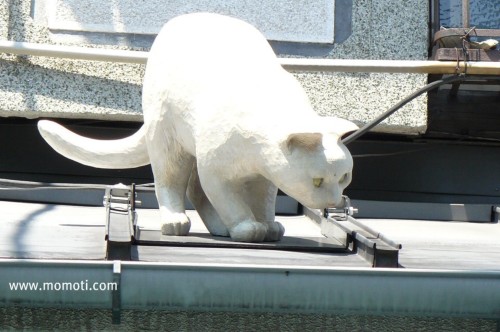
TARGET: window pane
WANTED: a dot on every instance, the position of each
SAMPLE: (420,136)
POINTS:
(485,14)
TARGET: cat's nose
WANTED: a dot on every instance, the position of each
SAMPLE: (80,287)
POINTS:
(336,200)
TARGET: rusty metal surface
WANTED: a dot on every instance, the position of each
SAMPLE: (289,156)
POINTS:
(456,45)
(452,54)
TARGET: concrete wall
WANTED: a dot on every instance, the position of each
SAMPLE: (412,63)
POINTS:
(34,87)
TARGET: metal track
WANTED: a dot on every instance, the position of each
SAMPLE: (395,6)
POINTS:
(343,234)
(373,246)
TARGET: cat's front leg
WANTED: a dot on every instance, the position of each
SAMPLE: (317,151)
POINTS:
(228,200)
(260,194)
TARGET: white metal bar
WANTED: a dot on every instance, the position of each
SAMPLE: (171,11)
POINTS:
(73,52)
(291,64)
(391,66)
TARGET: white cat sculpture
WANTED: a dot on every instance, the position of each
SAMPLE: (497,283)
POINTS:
(224,122)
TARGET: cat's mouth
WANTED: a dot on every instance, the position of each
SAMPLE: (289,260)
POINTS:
(334,202)
(339,203)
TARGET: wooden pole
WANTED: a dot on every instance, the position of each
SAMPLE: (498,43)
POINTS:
(392,66)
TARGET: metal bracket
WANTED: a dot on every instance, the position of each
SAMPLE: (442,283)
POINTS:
(495,214)
(121,218)
(341,213)
(116,297)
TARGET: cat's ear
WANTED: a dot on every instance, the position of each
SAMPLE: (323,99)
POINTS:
(338,126)
(304,141)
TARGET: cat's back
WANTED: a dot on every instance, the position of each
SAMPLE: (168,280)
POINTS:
(211,43)
(223,73)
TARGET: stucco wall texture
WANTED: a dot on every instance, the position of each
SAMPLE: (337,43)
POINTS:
(34,87)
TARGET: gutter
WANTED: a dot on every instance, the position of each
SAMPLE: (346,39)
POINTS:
(233,287)
(291,64)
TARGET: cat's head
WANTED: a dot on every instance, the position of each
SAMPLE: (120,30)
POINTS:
(318,165)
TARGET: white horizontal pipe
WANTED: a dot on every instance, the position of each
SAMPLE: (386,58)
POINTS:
(291,64)
(391,66)
(73,52)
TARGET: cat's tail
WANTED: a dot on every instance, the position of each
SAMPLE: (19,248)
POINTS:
(127,152)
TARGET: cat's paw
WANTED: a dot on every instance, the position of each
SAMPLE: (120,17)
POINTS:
(175,224)
(217,230)
(248,231)
(275,231)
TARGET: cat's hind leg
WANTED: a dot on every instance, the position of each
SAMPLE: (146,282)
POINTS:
(205,209)
(228,200)
(171,170)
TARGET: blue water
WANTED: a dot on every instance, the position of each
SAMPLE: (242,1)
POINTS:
(485,14)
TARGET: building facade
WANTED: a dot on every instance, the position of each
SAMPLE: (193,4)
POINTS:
(35,87)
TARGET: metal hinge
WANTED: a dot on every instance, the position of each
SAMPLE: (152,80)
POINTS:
(342,212)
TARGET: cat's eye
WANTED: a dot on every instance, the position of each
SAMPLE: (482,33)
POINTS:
(344,178)
(317,182)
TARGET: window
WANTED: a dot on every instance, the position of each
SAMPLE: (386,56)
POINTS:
(483,14)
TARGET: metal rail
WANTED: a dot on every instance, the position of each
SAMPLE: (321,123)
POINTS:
(291,64)
(372,246)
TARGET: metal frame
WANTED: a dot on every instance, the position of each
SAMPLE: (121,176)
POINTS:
(337,224)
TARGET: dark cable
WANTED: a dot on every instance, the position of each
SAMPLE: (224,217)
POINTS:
(403,102)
